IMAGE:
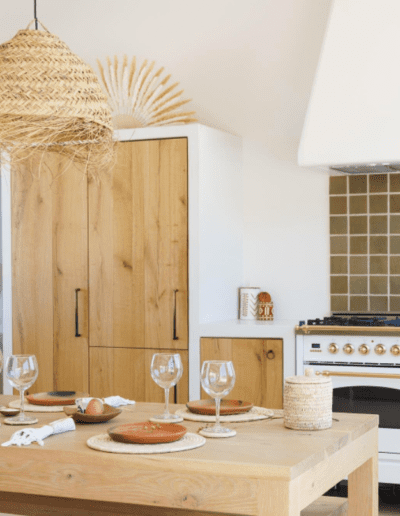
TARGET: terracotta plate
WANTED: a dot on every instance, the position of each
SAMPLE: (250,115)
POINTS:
(55,398)
(147,433)
(79,417)
(228,407)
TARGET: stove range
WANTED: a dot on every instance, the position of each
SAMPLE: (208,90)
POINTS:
(361,355)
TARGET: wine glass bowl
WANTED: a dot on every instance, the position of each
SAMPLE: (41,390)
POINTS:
(217,379)
(166,370)
(22,371)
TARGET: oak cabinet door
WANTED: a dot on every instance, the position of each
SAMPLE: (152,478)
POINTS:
(138,246)
(126,372)
(49,261)
(258,364)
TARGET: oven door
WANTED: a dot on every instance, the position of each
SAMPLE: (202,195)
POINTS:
(371,390)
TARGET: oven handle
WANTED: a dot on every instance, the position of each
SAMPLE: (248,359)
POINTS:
(358,375)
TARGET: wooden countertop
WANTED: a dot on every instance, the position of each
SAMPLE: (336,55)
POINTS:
(263,450)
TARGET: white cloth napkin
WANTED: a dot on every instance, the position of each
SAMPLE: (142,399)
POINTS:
(117,401)
(27,436)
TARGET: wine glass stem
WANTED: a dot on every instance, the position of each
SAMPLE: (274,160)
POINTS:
(21,392)
(166,410)
(217,410)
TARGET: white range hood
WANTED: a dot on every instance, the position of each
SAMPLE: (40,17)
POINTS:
(353,117)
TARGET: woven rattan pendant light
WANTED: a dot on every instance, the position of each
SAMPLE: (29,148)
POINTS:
(50,100)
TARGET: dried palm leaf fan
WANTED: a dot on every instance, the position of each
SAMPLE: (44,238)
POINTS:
(139,97)
(50,100)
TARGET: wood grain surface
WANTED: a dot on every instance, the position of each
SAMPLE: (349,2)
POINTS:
(49,260)
(138,248)
(258,364)
(126,371)
(265,467)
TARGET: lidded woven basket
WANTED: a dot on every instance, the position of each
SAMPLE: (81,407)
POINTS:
(308,402)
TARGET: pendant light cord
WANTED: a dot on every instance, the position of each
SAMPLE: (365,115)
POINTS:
(35,15)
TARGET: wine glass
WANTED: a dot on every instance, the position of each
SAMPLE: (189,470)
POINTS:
(217,379)
(166,370)
(22,371)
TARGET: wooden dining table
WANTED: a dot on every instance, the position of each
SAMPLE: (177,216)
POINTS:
(266,469)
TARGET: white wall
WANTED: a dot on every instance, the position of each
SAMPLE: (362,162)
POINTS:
(248,66)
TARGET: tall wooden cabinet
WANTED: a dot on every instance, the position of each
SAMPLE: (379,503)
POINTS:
(100,274)
(144,257)
(258,365)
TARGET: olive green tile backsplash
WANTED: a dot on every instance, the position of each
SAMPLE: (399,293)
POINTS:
(365,243)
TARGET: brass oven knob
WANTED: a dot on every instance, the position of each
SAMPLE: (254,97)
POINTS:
(380,349)
(363,349)
(333,348)
(348,348)
(395,350)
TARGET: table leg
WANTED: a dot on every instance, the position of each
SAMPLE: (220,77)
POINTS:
(278,497)
(363,489)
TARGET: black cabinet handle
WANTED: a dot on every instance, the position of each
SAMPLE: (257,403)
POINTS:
(77,334)
(270,355)
(174,336)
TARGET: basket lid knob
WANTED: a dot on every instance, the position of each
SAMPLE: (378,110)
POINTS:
(309,371)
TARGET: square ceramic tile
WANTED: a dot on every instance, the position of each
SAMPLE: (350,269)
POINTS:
(358,285)
(395,284)
(378,284)
(378,203)
(394,305)
(339,304)
(378,183)
(394,224)
(338,245)
(358,245)
(395,203)
(338,264)
(394,180)
(394,245)
(339,285)
(358,204)
(338,225)
(338,185)
(378,303)
(378,224)
(338,205)
(378,264)
(378,244)
(358,184)
(358,225)
(358,303)
(358,265)
(394,265)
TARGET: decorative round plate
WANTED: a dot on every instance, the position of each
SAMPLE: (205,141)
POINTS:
(147,433)
(104,443)
(55,398)
(227,408)
(79,417)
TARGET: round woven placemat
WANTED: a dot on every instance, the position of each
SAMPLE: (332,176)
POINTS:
(9,421)
(171,420)
(103,442)
(254,414)
(28,407)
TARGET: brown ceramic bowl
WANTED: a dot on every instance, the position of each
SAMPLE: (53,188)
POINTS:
(8,411)
(147,433)
(79,417)
(227,408)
